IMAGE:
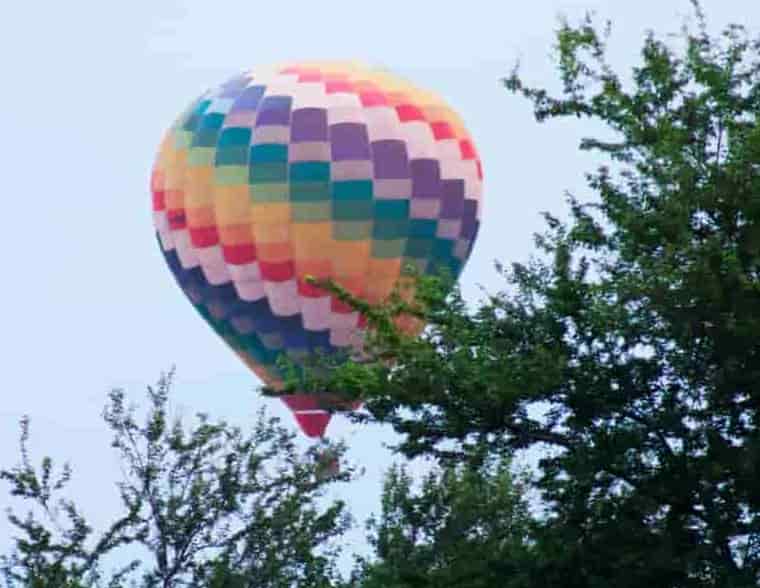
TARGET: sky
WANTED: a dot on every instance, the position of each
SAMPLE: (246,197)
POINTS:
(90,87)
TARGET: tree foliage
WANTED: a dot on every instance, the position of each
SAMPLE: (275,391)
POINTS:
(210,506)
(463,526)
(630,344)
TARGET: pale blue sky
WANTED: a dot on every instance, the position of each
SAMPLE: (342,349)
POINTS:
(88,89)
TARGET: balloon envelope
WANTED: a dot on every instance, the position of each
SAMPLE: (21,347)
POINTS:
(317,169)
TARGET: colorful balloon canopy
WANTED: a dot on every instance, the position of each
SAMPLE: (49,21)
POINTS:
(318,169)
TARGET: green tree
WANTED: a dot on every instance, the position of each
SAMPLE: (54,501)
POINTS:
(629,346)
(464,526)
(210,506)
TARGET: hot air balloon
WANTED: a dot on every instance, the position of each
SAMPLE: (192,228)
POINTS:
(336,171)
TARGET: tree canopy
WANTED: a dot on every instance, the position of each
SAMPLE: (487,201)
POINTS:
(209,505)
(629,345)
(463,526)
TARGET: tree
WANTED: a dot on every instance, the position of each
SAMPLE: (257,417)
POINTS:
(210,506)
(465,526)
(630,344)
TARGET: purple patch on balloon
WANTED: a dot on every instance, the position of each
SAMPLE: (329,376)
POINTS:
(243,324)
(349,141)
(233,87)
(249,99)
(272,341)
(453,198)
(429,208)
(390,160)
(194,293)
(274,110)
(309,124)
(295,339)
(461,249)
(447,228)
(470,222)
(218,309)
(470,208)
(426,178)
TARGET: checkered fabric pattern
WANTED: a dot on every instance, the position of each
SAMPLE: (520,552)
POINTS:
(316,169)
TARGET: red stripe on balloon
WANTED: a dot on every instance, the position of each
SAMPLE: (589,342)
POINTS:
(300,401)
(277,271)
(313,424)
(309,290)
(370,99)
(334,86)
(159,200)
(204,236)
(467,149)
(442,130)
(177,219)
(339,306)
(239,254)
(409,112)
(310,76)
